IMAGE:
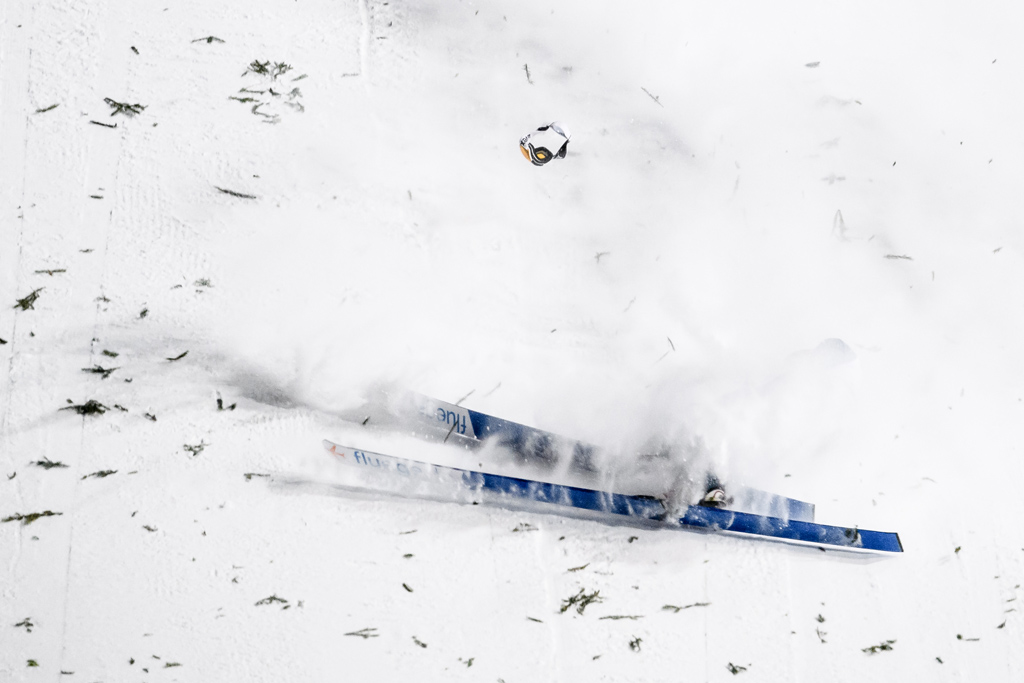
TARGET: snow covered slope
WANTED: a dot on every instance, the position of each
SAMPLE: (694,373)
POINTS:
(746,184)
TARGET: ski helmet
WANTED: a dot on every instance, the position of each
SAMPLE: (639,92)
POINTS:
(546,143)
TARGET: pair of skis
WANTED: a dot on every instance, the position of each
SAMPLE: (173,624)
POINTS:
(751,512)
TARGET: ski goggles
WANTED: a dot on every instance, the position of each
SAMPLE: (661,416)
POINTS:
(536,155)
(539,156)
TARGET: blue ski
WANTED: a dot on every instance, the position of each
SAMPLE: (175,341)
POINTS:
(471,427)
(638,508)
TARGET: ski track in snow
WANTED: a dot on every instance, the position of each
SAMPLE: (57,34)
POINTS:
(395,235)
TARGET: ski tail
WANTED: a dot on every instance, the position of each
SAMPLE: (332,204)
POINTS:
(791,530)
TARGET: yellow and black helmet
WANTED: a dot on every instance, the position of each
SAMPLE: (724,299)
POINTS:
(537,146)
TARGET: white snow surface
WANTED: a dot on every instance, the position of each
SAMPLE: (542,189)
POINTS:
(746,183)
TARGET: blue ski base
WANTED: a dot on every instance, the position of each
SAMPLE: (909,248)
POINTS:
(539,446)
(640,508)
